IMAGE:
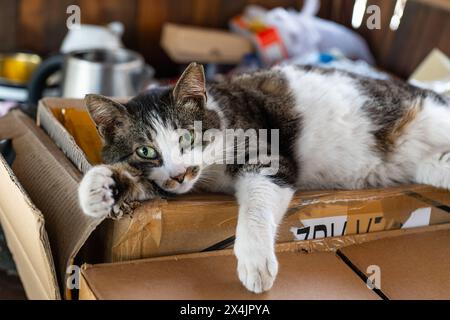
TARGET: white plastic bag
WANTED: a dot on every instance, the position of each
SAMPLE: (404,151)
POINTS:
(304,34)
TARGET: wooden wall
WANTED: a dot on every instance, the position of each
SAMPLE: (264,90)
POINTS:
(425,25)
(39,25)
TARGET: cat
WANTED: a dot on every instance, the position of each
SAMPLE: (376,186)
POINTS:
(336,130)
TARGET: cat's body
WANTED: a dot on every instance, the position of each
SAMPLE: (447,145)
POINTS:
(336,130)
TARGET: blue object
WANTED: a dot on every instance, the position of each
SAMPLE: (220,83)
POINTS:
(326,58)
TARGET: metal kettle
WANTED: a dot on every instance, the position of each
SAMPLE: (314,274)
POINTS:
(110,72)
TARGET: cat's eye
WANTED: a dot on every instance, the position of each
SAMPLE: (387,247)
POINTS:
(187,139)
(146,152)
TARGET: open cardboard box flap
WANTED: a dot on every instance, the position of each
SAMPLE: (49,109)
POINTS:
(50,181)
(27,238)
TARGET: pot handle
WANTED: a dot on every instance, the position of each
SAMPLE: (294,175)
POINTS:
(39,77)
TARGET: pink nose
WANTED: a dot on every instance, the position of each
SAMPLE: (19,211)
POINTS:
(180,177)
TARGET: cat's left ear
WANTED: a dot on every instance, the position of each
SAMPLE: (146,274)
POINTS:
(191,85)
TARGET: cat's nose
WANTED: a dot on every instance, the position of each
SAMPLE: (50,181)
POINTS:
(180,177)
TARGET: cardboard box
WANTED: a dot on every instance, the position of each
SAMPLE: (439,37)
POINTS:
(433,73)
(185,44)
(26,227)
(158,228)
(212,276)
(415,266)
(413,263)
(50,242)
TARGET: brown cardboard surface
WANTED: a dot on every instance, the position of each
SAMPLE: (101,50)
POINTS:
(308,270)
(185,44)
(26,238)
(79,124)
(159,228)
(414,266)
(207,276)
(51,182)
(62,138)
(23,224)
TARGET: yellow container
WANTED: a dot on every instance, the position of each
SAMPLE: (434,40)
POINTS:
(17,68)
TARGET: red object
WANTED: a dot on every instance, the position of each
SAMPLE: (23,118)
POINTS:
(271,46)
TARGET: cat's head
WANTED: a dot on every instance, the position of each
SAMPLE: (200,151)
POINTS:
(154,131)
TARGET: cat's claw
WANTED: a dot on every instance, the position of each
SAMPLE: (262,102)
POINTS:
(96,192)
(256,270)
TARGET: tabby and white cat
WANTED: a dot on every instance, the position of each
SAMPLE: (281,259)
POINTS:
(336,130)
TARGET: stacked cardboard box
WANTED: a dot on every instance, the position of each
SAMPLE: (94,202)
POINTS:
(412,264)
(49,235)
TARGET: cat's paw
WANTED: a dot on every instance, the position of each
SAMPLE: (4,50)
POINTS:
(96,192)
(257,267)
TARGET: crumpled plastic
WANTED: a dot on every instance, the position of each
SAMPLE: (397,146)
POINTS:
(303,33)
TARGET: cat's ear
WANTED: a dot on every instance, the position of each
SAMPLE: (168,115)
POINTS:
(107,114)
(191,85)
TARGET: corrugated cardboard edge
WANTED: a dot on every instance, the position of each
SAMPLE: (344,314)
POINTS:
(37,271)
(149,217)
(66,225)
(59,134)
(85,292)
(305,246)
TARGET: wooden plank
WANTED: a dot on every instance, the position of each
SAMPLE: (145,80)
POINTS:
(444,42)
(206,13)
(429,36)
(40,25)
(55,24)
(8,17)
(151,15)
(270,4)
(104,12)
(422,28)
(442,4)
(404,42)
(379,40)
(30,32)
(325,10)
(229,9)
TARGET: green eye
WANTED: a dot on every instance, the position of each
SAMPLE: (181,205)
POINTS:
(146,152)
(187,139)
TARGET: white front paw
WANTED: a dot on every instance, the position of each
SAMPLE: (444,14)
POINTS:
(257,267)
(96,192)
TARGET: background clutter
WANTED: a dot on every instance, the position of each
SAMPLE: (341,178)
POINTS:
(282,34)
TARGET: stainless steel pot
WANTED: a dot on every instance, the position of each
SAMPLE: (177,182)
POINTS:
(115,72)
(118,72)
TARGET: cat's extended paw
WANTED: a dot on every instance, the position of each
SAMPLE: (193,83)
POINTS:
(96,192)
(257,268)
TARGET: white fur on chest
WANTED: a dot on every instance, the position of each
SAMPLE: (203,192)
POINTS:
(335,146)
